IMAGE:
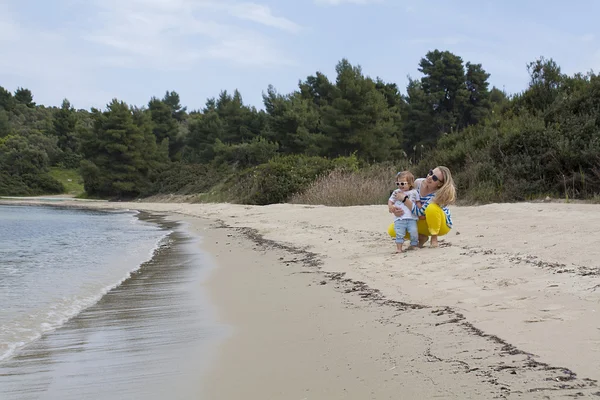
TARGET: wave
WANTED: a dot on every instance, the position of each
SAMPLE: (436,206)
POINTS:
(29,326)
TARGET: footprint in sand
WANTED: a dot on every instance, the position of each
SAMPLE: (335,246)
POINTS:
(552,308)
(534,320)
(507,282)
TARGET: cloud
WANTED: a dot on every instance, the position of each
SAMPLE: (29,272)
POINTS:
(149,34)
(165,33)
(339,2)
(262,15)
(95,48)
(246,51)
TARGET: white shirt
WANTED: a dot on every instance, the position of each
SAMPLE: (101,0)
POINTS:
(412,195)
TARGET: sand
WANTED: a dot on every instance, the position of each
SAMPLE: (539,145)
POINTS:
(507,307)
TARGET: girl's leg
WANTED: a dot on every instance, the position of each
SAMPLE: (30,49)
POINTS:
(398,247)
(400,228)
(414,233)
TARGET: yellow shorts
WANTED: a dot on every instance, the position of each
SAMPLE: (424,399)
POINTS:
(434,223)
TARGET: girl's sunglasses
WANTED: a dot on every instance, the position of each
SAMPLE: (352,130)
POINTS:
(433,177)
(401,183)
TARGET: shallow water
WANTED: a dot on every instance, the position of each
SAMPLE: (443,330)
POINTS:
(149,337)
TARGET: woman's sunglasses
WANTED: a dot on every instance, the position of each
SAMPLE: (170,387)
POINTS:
(433,177)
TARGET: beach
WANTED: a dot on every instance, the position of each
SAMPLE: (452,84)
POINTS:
(322,308)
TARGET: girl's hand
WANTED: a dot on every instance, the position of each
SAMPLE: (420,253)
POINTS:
(398,212)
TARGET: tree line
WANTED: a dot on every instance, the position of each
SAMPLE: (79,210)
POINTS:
(449,115)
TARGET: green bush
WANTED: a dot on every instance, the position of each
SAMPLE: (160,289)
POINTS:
(29,185)
(277,180)
(185,179)
(11,185)
(350,163)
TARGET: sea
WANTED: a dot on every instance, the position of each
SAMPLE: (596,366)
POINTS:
(102,305)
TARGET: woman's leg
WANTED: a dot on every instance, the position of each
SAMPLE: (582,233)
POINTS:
(433,225)
(423,232)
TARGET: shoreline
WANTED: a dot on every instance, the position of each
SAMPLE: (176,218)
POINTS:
(487,361)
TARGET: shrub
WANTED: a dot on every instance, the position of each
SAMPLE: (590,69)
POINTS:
(280,178)
(371,185)
(11,185)
(185,179)
(350,163)
(277,180)
(29,185)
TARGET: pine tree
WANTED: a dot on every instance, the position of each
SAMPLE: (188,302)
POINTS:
(64,127)
(165,125)
(359,119)
(292,122)
(478,104)
(444,85)
(120,154)
(25,97)
(6,99)
(171,99)
(4,124)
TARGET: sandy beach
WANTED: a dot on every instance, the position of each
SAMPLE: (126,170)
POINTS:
(322,308)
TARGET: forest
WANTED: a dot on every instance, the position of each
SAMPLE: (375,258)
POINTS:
(333,142)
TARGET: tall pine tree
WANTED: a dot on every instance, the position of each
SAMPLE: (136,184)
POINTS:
(165,125)
(120,154)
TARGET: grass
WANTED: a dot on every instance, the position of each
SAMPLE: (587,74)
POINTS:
(70,179)
(343,188)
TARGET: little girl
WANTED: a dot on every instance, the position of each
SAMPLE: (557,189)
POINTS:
(407,222)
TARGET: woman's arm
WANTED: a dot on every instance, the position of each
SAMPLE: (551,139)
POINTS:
(391,201)
(391,206)
(417,207)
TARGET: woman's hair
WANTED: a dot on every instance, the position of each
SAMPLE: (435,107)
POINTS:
(410,178)
(446,194)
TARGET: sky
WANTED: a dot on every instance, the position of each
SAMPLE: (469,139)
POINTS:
(91,51)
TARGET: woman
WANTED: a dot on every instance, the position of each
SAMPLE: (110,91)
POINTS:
(436,192)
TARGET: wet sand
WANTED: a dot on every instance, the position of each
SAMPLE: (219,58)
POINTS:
(323,309)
